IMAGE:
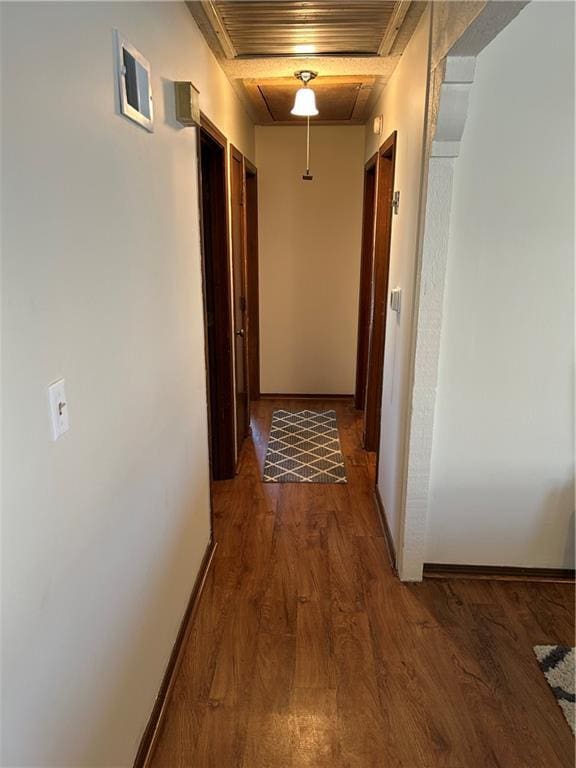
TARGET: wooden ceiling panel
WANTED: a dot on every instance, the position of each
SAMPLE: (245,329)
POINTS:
(335,102)
(292,27)
(339,99)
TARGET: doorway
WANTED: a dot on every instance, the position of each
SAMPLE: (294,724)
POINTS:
(379,294)
(366,261)
(213,185)
(242,397)
(252,285)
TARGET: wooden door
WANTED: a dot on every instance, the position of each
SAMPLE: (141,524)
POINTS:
(252,286)
(384,194)
(240,305)
(366,263)
(216,295)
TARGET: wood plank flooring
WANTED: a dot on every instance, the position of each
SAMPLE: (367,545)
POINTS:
(308,653)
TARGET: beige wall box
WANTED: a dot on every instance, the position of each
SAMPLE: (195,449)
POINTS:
(134,83)
(187,103)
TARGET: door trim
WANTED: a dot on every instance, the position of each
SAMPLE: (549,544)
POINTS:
(207,125)
(365,291)
(252,280)
(223,465)
(380,279)
(236,155)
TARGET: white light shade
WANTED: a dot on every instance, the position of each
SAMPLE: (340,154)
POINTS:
(304,103)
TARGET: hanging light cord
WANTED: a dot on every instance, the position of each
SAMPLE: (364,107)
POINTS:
(308,145)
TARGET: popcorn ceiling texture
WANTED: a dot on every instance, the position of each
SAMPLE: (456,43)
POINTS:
(326,66)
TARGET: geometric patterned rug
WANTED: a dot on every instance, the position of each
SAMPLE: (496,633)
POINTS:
(304,448)
(557,663)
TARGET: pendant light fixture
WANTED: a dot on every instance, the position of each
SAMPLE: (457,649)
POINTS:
(305,106)
(305,101)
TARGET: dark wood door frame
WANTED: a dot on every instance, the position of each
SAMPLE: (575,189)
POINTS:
(238,225)
(365,297)
(381,268)
(216,282)
(215,133)
(252,284)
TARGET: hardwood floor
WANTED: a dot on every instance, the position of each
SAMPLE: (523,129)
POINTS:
(308,652)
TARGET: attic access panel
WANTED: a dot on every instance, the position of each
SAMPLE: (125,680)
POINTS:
(334,102)
(339,99)
(319,27)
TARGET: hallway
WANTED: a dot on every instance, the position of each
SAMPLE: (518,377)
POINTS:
(307,651)
(212,209)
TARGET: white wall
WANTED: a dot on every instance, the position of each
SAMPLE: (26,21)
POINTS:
(309,257)
(403,106)
(103,531)
(502,482)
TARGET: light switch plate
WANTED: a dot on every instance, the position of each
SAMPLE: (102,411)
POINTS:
(58,409)
(395,296)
